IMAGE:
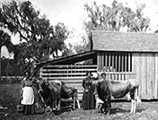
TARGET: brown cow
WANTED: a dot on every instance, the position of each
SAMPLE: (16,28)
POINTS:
(107,89)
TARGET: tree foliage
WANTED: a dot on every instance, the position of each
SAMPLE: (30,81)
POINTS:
(114,18)
(38,38)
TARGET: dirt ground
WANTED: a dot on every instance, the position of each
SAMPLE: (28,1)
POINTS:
(9,98)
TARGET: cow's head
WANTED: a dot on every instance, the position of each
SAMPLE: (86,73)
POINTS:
(41,83)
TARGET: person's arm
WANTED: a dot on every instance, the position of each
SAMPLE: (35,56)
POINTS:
(83,83)
(23,83)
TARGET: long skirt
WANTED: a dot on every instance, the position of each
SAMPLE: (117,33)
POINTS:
(88,99)
(29,109)
(28,101)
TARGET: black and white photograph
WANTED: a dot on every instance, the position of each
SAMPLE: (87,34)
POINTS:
(78,59)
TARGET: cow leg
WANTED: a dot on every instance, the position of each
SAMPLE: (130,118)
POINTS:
(59,104)
(76,100)
(138,100)
(132,106)
(73,98)
(135,98)
(105,107)
(108,106)
(78,103)
(53,105)
(101,108)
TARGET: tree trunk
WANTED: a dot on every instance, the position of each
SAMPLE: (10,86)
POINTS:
(90,41)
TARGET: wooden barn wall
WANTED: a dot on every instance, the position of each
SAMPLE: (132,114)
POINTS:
(146,67)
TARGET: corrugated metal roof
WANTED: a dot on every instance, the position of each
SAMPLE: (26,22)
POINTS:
(130,41)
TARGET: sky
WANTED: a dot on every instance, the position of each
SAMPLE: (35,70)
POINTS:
(72,14)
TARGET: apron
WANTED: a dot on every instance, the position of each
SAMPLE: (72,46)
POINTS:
(28,96)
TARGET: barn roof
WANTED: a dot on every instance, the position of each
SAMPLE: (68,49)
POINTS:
(118,41)
(70,59)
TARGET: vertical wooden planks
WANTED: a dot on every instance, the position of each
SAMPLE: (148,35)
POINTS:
(116,68)
(136,66)
(100,56)
(105,60)
(125,63)
(109,59)
(119,62)
(102,60)
(122,62)
(113,60)
(98,61)
(142,72)
(129,62)
(149,76)
(156,75)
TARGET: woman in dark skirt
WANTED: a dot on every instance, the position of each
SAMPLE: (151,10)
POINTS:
(88,99)
(27,95)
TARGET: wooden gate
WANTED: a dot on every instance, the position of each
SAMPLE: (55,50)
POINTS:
(73,75)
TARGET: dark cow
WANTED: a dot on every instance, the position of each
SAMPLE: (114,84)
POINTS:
(68,92)
(50,92)
(107,89)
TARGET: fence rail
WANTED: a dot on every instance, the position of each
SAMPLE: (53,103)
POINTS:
(120,75)
(4,77)
(11,79)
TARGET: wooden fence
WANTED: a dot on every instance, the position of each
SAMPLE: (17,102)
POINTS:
(10,77)
(73,75)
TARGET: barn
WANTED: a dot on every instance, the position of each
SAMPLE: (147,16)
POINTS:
(120,55)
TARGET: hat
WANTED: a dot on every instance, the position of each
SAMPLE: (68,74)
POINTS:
(103,74)
(87,72)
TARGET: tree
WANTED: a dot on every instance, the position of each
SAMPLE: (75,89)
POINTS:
(5,41)
(38,38)
(68,50)
(114,18)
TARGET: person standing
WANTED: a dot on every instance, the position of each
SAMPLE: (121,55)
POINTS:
(27,94)
(88,99)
